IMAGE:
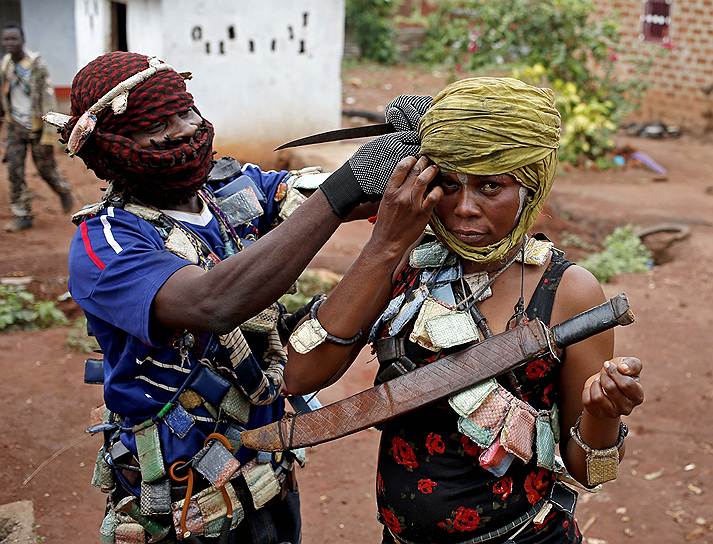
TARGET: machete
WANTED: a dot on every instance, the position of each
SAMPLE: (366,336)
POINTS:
(453,373)
(341,134)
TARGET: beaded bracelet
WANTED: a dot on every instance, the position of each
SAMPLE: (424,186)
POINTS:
(311,333)
(602,465)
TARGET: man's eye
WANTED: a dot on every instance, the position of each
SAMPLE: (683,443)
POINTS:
(156,127)
(186,113)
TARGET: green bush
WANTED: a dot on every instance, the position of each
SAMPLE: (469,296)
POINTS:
(310,283)
(623,252)
(552,43)
(79,340)
(20,310)
(370,23)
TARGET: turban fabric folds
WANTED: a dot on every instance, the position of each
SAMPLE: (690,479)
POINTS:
(490,126)
(110,151)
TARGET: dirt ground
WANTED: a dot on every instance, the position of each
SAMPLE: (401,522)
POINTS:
(662,495)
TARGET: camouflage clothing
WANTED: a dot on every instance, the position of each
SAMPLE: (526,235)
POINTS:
(32,74)
(18,139)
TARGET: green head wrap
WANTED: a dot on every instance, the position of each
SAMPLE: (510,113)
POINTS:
(489,126)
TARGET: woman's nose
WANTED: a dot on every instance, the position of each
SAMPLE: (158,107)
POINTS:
(467,205)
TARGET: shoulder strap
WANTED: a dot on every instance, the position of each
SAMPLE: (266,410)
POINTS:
(544,296)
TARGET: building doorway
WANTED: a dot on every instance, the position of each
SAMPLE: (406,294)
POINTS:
(119,40)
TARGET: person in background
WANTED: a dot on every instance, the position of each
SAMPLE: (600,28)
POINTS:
(25,96)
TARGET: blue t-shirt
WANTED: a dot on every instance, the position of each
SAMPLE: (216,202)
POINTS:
(117,264)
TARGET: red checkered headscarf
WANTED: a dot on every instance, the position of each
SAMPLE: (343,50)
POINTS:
(110,152)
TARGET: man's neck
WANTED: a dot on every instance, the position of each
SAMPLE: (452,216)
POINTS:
(193,205)
(17,57)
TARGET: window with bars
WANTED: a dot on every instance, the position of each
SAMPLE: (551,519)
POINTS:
(656,20)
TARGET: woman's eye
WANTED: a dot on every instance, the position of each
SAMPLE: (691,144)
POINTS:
(448,184)
(490,187)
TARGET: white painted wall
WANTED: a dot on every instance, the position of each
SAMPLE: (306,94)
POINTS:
(264,97)
(144,28)
(92,27)
(57,47)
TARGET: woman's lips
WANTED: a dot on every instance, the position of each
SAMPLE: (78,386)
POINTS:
(470,237)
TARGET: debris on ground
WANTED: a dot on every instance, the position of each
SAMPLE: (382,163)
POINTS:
(652,129)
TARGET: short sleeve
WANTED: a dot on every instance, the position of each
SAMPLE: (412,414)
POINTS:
(117,264)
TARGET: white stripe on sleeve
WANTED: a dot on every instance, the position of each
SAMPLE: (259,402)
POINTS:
(107,230)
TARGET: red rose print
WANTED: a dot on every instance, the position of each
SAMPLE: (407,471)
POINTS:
(403,453)
(536,369)
(390,520)
(435,444)
(426,486)
(469,447)
(536,484)
(467,519)
(464,519)
(379,484)
(503,487)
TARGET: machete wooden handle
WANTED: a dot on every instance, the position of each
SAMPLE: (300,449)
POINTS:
(613,312)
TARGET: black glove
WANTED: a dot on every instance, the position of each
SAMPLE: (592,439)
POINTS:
(405,111)
(364,176)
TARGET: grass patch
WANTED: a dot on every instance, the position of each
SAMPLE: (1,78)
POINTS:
(20,310)
(623,252)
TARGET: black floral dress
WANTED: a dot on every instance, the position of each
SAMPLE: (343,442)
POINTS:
(430,486)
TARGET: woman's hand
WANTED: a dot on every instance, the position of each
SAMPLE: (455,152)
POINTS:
(615,390)
(407,204)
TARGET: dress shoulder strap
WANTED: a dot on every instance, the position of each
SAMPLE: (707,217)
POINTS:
(543,298)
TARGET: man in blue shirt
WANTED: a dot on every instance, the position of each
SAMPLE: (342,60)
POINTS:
(178,274)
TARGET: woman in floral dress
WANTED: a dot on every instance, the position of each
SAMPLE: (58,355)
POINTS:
(479,466)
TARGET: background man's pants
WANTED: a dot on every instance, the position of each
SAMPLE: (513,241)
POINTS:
(18,138)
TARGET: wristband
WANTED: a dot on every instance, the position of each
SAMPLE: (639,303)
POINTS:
(602,465)
(311,333)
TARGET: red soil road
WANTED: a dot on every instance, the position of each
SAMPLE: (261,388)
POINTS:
(663,494)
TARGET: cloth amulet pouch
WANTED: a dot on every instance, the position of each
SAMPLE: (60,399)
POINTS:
(430,309)
(148,448)
(519,430)
(452,329)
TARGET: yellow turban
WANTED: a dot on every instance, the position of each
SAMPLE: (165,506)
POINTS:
(489,126)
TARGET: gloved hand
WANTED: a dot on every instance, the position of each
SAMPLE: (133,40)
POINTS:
(364,176)
(405,111)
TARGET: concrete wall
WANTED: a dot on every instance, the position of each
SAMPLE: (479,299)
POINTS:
(93,31)
(144,27)
(680,74)
(264,72)
(58,48)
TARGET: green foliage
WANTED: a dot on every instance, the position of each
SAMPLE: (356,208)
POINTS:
(20,310)
(78,339)
(623,252)
(310,283)
(370,22)
(555,43)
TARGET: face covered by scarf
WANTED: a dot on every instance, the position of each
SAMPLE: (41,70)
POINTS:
(491,126)
(180,168)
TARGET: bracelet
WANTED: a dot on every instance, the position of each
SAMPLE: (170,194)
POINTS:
(311,333)
(602,465)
